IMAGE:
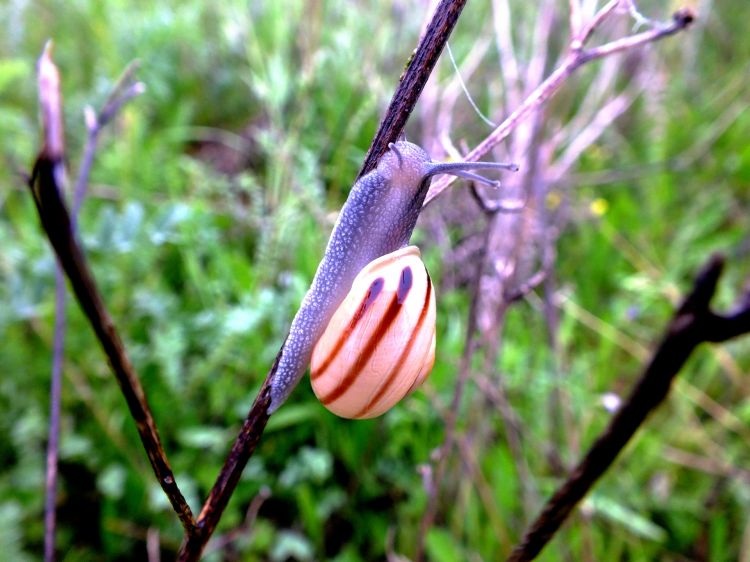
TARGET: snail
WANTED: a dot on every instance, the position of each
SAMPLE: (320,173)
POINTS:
(368,320)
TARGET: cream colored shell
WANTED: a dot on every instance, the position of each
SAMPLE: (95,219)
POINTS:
(380,343)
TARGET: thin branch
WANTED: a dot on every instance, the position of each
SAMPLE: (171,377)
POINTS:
(511,73)
(221,542)
(410,86)
(591,131)
(451,419)
(692,324)
(485,492)
(497,395)
(578,40)
(413,79)
(53,433)
(680,20)
(714,465)
(577,57)
(51,104)
(153,545)
(123,91)
(638,17)
(574,17)
(46,184)
(490,207)
(527,286)
(544,28)
(94,125)
(242,449)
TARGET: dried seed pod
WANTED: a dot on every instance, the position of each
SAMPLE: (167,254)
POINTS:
(380,342)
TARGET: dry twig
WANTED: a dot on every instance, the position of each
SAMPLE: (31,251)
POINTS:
(124,90)
(692,324)
(46,184)
(577,57)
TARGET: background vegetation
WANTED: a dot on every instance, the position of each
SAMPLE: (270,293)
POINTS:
(212,198)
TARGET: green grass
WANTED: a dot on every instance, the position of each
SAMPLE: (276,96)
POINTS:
(203,270)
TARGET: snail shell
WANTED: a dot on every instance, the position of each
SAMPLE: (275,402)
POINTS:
(380,343)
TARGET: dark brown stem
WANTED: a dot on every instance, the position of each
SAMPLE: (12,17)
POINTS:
(413,79)
(402,103)
(46,185)
(116,100)
(692,324)
(56,222)
(410,87)
(242,449)
(51,104)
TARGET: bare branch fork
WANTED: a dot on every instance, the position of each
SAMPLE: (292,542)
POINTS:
(578,56)
(692,324)
(47,183)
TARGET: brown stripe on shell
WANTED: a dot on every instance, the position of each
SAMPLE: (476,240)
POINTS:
(404,284)
(404,353)
(373,292)
(366,352)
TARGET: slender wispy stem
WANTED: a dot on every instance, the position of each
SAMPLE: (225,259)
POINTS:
(577,57)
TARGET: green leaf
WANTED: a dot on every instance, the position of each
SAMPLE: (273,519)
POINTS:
(12,72)
(441,546)
(623,516)
(291,545)
(309,464)
(204,437)
(11,532)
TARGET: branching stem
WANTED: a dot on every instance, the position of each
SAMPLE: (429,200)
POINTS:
(692,324)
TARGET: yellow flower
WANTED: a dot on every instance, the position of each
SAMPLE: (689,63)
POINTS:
(599,206)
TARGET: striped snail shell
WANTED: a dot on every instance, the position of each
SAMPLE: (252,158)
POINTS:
(380,343)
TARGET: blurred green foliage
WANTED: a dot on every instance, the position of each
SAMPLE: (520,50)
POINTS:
(204,255)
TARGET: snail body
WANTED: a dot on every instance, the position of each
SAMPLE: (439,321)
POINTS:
(377,220)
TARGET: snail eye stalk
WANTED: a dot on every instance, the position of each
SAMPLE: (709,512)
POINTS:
(466,170)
